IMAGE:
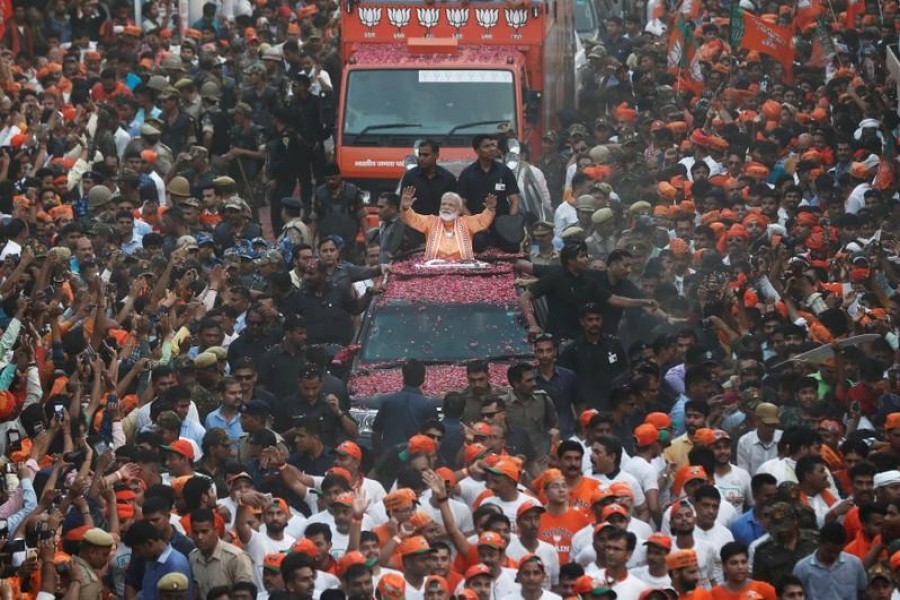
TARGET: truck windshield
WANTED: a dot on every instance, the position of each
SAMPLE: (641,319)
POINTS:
(443,333)
(426,102)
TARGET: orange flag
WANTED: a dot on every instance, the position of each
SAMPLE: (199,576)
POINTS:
(752,33)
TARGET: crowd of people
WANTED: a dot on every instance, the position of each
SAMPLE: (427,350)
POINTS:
(712,409)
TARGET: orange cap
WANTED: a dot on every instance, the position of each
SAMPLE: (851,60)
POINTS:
(476,570)
(392,586)
(349,448)
(273,560)
(585,418)
(613,509)
(400,499)
(647,434)
(892,421)
(529,505)
(620,489)
(414,545)
(305,546)
(182,447)
(661,540)
(473,452)
(421,444)
(345,499)
(506,468)
(433,581)
(492,539)
(340,472)
(659,420)
(681,559)
(354,557)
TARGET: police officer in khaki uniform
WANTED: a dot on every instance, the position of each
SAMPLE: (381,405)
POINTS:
(173,586)
(93,555)
(529,408)
(542,236)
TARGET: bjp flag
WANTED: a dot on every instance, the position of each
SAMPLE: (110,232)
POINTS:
(807,11)
(752,33)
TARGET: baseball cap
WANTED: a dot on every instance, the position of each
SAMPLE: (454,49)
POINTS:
(613,509)
(645,434)
(529,505)
(345,499)
(182,447)
(436,580)
(354,557)
(400,499)
(473,452)
(492,539)
(506,468)
(767,413)
(414,545)
(273,560)
(392,586)
(658,420)
(661,540)
(681,559)
(892,421)
(421,444)
(476,570)
(305,546)
(349,448)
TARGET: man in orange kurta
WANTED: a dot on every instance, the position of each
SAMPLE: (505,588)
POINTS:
(448,235)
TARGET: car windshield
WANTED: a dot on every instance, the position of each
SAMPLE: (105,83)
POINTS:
(443,332)
(585,17)
(421,103)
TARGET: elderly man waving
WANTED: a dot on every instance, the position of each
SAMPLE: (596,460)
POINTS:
(448,235)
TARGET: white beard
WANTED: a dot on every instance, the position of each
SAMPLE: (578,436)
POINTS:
(447,216)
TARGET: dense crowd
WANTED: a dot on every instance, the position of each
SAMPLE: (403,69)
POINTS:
(712,409)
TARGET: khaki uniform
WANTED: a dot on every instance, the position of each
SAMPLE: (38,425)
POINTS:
(536,415)
(227,565)
(91,585)
(296,231)
(472,410)
(551,259)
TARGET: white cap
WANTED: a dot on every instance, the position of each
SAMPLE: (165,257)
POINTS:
(887,478)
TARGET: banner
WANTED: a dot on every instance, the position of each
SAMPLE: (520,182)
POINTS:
(807,11)
(752,33)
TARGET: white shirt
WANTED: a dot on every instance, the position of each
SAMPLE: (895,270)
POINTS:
(510,508)
(461,513)
(583,551)
(643,573)
(706,558)
(325,581)
(727,514)
(547,595)
(625,477)
(470,489)
(752,452)
(505,585)
(261,544)
(339,541)
(564,216)
(820,507)
(735,487)
(688,161)
(629,588)
(645,473)
(545,552)
(716,537)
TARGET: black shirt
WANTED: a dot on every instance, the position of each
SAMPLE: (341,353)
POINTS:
(313,466)
(328,317)
(566,293)
(278,370)
(595,366)
(612,315)
(474,184)
(429,189)
(293,409)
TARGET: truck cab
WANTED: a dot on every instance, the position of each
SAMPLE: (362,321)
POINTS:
(414,70)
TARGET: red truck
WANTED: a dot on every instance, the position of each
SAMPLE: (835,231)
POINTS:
(447,71)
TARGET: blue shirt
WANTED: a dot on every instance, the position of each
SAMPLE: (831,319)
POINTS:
(193,430)
(844,580)
(232,428)
(170,561)
(677,415)
(562,388)
(746,528)
(402,414)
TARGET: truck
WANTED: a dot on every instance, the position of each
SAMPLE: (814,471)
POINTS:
(415,69)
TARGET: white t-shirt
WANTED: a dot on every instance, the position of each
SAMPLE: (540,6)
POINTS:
(625,477)
(706,558)
(326,581)
(462,515)
(629,588)
(583,551)
(643,573)
(469,489)
(644,472)
(735,487)
(726,515)
(546,552)
(716,537)
(339,541)
(505,585)
(547,595)
(261,544)
(510,508)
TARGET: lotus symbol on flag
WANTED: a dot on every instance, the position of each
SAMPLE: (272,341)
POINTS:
(428,18)
(487,18)
(458,17)
(370,16)
(399,18)
(515,18)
